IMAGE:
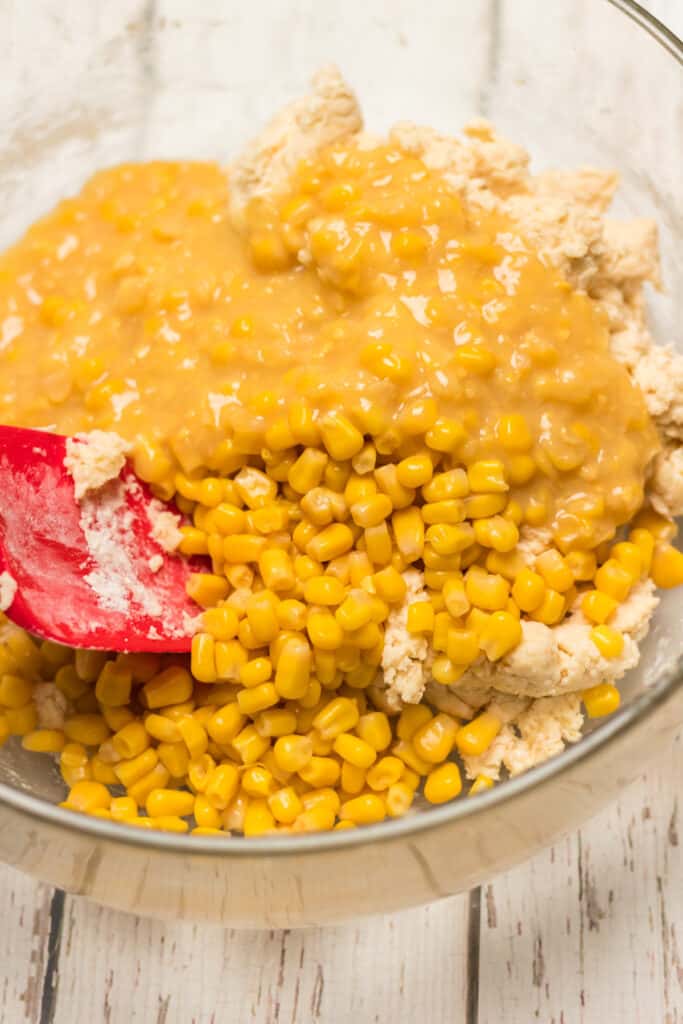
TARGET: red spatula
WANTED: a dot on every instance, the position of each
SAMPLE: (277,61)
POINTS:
(85,572)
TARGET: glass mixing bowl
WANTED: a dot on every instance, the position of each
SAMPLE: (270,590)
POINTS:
(88,85)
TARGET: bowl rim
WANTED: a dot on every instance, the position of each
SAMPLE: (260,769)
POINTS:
(617,725)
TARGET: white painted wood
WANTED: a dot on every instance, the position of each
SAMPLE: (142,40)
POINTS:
(25,914)
(375,970)
(591,928)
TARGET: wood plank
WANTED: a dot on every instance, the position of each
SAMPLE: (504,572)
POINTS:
(378,969)
(591,928)
(25,914)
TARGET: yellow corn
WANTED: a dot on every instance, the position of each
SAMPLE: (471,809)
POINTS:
(443,783)
(131,740)
(206,588)
(231,657)
(175,758)
(582,564)
(667,567)
(496,532)
(352,779)
(241,548)
(371,511)
(645,542)
(366,809)
(601,700)
(293,670)
(598,607)
(500,635)
(87,796)
(610,642)
(434,741)
(173,802)
(614,580)
(445,435)
(285,805)
(324,630)
(551,609)
(258,698)
(221,786)
(398,799)
(415,470)
(420,617)
(292,753)
(331,542)
(340,437)
(131,771)
(409,534)
(172,686)
(354,750)
(113,685)
(555,570)
(462,645)
(475,737)
(40,741)
(325,590)
(480,785)
(486,590)
(15,692)
(90,730)
(258,818)
(225,724)
(123,808)
(221,622)
(385,773)
(320,771)
(203,660)
(250,745)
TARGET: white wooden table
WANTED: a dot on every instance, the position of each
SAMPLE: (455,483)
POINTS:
(589,931)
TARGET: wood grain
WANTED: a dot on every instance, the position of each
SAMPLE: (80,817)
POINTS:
(372,970)
(592,927)
(588,932)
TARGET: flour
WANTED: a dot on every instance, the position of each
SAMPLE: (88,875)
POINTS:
(164,526)
(93,459)
(107,524)
(8,590)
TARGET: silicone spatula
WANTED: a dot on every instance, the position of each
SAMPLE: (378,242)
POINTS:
(87,574)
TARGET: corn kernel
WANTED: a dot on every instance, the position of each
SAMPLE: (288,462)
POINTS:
(667,567)
(609,641)
(443,783)
(86,796)
(434,741)
(601,700)
(292,753)
(366,809)
(398,799)
(598,607)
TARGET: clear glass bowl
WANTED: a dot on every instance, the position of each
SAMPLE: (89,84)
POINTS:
(91,85)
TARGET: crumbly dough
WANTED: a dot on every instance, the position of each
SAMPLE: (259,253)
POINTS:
(537,733)
(330,112)
(405,655)
(666,484)
(165,527)
(51,706)
(93,459)
(8,590)
(535,689)
(553,660)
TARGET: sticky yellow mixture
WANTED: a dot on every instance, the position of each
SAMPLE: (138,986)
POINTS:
(137,307)
(370,397)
